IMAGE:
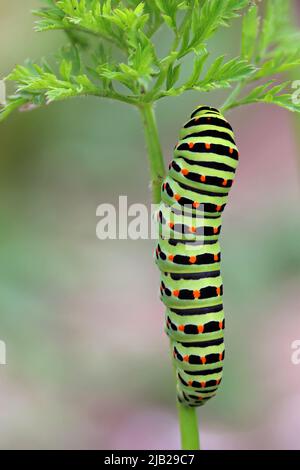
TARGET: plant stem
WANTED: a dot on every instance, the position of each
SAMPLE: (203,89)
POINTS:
(232,97)
(188,423)
(156,160)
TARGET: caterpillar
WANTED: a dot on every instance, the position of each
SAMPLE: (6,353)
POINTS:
(194,194)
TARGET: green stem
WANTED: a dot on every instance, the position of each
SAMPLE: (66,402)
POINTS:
(232,97)
(156,160)
(188,423)
(96,34)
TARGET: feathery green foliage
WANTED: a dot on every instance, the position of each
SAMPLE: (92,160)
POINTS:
(271,43)
(118,38)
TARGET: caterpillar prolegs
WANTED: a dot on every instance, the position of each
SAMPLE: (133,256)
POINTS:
(194,195)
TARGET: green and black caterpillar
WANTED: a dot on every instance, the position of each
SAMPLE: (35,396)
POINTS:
(194,195)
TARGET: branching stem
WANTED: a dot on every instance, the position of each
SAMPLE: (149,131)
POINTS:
(229,103)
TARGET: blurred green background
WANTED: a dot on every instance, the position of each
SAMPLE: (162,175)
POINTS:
(83,370)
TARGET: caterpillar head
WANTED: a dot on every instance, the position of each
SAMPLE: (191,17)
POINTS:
(202,110)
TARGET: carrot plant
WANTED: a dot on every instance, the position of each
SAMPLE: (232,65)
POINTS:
(112,52)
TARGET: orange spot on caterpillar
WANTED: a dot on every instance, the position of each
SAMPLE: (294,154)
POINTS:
(207,146)
(164,185)
(215,230)
(184,171)
(218,208)
(177,197)
(192,259)
(190,382)
(171,225)
(202,178)
(171,257)
(220,325)
(224,183)
(209,118)
(203,359)
(192,229)
(196,294)
(221,357)
(181,328)
(202,384)
(216,257)
(218,290)
(231,150)
(176,293)
(191,145)
(196,204)
(186,358)
(218,381)
(200,328)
